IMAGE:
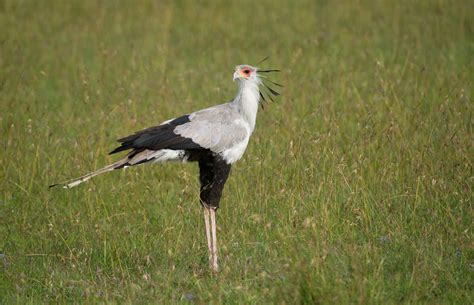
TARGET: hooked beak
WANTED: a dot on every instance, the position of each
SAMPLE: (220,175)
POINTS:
(236,76)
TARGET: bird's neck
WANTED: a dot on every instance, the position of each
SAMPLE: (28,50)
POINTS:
(246,102)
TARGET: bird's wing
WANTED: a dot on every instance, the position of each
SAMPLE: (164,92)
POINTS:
(217,128)
(157,137)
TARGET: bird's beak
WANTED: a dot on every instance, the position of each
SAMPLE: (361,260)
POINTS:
(236,75)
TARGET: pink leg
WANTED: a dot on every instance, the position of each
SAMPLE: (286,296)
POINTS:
(214,265)
(208,233)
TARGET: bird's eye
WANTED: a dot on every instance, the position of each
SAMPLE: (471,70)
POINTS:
(246,71)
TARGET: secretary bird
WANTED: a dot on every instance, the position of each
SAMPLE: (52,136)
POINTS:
(215,137)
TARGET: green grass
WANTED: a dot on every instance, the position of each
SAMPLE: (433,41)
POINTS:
(356,187)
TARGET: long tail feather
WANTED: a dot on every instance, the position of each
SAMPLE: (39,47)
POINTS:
(75,182)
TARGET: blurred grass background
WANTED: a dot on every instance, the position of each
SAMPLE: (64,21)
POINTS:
(356,187)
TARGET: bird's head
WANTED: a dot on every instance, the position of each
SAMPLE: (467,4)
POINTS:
(247,74)
(244,73)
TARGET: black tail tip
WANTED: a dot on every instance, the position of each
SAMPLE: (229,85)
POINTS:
(53,185)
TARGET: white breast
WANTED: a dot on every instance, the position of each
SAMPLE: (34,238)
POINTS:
(234,153)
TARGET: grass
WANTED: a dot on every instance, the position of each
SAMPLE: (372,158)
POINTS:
(356,187)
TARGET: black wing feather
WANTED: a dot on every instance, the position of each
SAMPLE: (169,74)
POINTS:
(158,137)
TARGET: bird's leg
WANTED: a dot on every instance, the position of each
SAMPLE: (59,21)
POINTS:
(213,173)
(208,233)
(214,265)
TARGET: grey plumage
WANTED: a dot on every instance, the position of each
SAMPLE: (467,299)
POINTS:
(215,137)
(217,128)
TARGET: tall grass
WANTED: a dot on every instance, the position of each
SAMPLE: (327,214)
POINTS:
(356,187)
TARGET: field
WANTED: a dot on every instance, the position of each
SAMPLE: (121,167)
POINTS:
(356,187)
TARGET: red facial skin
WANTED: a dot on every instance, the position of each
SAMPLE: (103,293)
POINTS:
(246,71)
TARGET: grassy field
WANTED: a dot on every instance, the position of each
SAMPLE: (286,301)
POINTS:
(356,187)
